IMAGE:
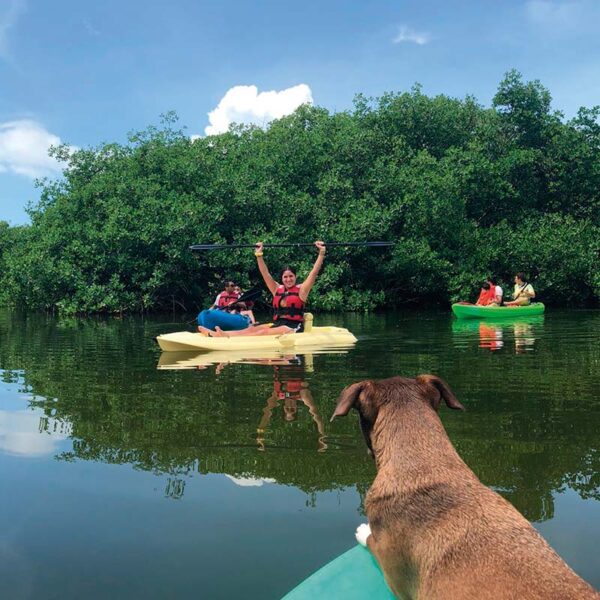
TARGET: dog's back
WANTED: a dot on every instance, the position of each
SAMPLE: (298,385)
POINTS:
(480,547)
(436,530)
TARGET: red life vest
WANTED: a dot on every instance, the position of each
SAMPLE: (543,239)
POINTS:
(487,296)
(288,389)
(293,308)
(225,299)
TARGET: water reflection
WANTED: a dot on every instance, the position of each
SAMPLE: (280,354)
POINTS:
(518,336)
(88,396)
(175,488)
(26,432)
(525,336)
(289,389)
(173,361)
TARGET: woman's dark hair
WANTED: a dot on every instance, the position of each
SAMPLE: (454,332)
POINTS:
(288,268)
(486,286)
(492,280)
(521,276)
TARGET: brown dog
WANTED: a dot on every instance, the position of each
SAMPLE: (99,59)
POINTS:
(436,531)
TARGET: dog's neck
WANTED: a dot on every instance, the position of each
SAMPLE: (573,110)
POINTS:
(410,440)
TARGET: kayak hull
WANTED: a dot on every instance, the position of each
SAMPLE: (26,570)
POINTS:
(329,337)
(352,576)
(471,311)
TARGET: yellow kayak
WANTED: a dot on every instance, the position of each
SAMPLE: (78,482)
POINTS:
(317,337)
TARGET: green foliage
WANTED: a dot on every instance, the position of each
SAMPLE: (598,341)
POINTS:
(465,191)
(559,252)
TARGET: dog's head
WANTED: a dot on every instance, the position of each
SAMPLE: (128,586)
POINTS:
(369,397)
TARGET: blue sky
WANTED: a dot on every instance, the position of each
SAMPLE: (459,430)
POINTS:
(87,73)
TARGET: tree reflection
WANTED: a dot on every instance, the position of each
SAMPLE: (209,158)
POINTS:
(530,430)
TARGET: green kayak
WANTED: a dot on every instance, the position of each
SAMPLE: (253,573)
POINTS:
(470,311)
(352,576)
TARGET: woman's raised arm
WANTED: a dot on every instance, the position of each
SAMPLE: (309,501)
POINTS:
(264,271)
(312,276)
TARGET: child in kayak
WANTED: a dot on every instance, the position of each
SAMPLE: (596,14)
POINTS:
(289,298)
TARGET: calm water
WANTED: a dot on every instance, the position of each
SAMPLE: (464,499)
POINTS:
(130,475)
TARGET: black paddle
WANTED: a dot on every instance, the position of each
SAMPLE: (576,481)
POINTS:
(198,247)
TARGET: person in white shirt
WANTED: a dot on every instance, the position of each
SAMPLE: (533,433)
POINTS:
(498,292)
(523,293)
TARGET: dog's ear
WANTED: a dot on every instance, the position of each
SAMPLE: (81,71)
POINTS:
(348,398)
(442,390)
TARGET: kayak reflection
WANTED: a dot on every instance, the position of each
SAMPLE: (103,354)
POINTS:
(498,335)
(203,360)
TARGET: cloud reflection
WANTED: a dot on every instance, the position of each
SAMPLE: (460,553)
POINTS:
(27,433)
(249,481)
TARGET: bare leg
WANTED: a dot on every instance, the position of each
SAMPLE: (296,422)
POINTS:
(523,302)
(279,330)
(218,332)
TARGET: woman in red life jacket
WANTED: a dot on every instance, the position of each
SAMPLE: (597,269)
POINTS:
(289,298)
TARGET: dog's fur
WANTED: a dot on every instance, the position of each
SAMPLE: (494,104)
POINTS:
(436,531)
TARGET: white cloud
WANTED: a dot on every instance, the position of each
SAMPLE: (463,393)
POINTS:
(24,148)
(8,19)
(406,34)
(243,104)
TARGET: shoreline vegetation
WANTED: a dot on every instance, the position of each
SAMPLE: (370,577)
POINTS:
(465,191)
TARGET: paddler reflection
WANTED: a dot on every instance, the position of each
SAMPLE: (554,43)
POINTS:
(490,337)
(290,392)
(524,337)
(494,336)
(290,396)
